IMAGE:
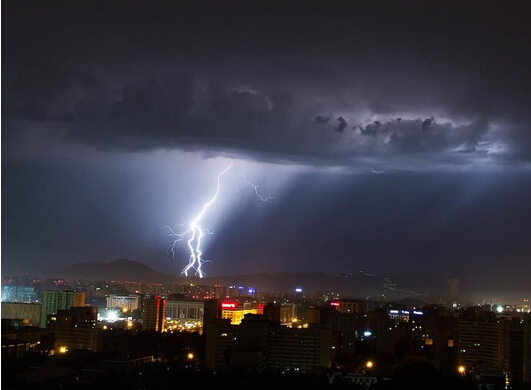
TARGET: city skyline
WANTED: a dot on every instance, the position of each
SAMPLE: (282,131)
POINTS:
(294,194)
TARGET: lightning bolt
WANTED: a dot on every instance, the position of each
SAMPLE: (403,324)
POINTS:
(376,171)
(195,233)
(263,199)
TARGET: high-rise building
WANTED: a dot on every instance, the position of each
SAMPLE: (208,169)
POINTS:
(272,310)
(527,348)
(221,338)
(23,294)
(479,342)
(258,344)
(75,328)
(153,313)
(299,350)
(515,351)
(53,301)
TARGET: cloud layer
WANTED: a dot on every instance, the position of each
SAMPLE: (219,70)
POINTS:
(421,85)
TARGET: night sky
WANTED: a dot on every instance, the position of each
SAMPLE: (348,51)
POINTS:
(117,117)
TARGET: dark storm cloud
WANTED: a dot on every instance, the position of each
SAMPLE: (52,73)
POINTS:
(321,120)
(413,136)
(247,79)
(341,125)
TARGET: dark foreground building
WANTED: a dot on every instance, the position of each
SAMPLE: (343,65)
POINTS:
(259,344)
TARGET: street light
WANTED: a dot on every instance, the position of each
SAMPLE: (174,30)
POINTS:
(190,356)
(369,364)
(461,369)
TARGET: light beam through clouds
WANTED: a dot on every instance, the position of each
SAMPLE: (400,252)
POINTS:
(195,232)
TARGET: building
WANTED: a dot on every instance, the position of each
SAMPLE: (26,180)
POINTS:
(313,315)
(258,344)
(221,339)
(184,310)
(211,312)
(28,313)
(75,328)
(384,333)
(23,294)
(272,310)
(514,354)
(347,330)
(299,350)
(233,311)
(53,301)
(349,306)
(527,348)
(288,312)
(123,302)
(479,342)
(153,313)
(398,315)
(440,342)
(184,315)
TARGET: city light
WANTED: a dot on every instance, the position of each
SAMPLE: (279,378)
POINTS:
(499,309)
(369,364)
(298,290)
(63,349)
(190,356)
(461,369)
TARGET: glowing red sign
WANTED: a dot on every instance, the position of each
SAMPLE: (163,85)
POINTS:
(229,305)
(336,304)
